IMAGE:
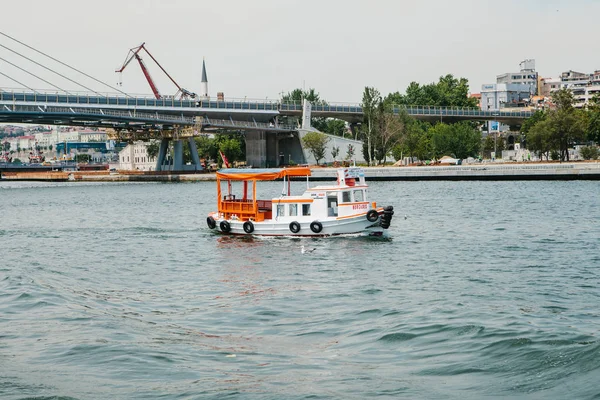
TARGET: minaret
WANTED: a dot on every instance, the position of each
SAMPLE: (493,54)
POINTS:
(204,83)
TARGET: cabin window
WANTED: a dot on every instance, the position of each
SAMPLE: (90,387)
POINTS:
(346,197)
(305,209)
(332,203)
(280,210)
(293,210)
(359,195)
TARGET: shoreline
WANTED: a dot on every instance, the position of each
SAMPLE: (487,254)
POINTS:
(475,172)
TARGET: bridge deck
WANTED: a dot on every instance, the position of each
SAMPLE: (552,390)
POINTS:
(238,110)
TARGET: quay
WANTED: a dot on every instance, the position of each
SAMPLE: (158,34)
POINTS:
(473,172)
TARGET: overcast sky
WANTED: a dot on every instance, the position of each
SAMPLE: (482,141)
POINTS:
(261,48)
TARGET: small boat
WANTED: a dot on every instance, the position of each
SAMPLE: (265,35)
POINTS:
(343,208)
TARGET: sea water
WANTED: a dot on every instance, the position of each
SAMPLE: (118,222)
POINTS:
(479,289)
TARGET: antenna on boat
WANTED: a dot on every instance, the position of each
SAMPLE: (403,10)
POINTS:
(283,189)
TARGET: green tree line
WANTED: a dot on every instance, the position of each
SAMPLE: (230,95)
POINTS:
(387,129)
(551,133)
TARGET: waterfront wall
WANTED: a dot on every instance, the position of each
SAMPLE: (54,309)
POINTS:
(492,172)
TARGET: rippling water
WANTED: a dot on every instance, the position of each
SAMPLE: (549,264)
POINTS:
(119,291)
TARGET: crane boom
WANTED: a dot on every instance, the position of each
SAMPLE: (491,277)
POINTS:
(148,77)
(134,53)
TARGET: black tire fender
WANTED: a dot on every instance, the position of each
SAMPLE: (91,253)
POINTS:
(294,227)
(210,221)
(316,226)
(225,226)
(248,227)
(372,215)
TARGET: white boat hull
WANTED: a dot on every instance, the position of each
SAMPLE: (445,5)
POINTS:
(330,227)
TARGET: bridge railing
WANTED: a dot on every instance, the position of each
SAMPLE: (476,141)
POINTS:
(124,114)
(144,117)
(238,104)
(15,96)
(247,124)
(412,110)
(461,111)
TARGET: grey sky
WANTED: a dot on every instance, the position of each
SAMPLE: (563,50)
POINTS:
(260,48)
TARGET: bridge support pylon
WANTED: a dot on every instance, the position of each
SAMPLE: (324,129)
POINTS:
(176,163)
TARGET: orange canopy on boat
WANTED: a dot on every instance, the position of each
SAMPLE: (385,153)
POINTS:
(265,174)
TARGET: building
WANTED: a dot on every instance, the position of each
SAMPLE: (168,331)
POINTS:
(45,139)
(89,135)
(135,157)
(549,85)
(503,95)
(527,76)
(583,86)
(67,136)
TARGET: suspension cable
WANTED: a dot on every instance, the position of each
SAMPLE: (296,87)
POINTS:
(66,65)
(51,70)
(22,84)
(32,74)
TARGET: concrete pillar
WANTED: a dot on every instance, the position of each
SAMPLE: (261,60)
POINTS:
(306,114)
(290,146)
(256,149)
(272,150)
(177,155)
(162,156)
(353,129)
(194,153)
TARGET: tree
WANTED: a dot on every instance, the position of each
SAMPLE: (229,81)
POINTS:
(316,143)
(460,140)
(566,124)
(232,149)
(83,158)
(558,129)
(537,116)
(334,126)
(589,153)
(371,106)
(487,147)
(593,128)
(207,147)
(447,92)
(409,142)
(539,139)
(349,152)
(152,149)
(298,95)
(391,130)
(335,151)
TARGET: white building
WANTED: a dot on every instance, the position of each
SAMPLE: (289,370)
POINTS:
(583,86)
(135,157)
(26,142)
(45,139)
(67,136)
(526,77)
(87,136)
(502,95)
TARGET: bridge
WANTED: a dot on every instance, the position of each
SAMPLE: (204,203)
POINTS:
(238,110)
(167,118)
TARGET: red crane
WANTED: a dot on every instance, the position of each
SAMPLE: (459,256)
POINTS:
(134,53)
